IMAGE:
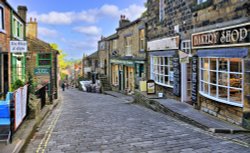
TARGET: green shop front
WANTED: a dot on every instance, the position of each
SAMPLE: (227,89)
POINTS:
(126,74)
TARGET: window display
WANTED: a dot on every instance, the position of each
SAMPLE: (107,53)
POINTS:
(162,70)
(222,79)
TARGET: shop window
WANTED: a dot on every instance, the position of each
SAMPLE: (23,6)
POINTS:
(162,70)
(161,10)
(1,18)
(201,1)
(115,75)
(221,79)
(142,39)
(44,59)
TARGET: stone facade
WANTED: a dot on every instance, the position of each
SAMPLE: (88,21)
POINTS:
(103,56)
(36,47)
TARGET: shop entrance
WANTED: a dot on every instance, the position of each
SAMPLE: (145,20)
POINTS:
(186,82)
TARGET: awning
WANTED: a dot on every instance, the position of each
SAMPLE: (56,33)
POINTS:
(163,53)
(225,52)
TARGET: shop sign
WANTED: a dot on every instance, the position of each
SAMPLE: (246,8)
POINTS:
(230,36)
(42,71)
(150,87)
(124,62)
(18,46)
(164,44)
(184,57)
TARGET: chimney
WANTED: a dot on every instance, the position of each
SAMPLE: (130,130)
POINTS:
(22,11)
(123,21)
(31,28)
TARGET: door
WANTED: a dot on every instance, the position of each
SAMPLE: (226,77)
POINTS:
(6,73)
(186,82)
(120,80)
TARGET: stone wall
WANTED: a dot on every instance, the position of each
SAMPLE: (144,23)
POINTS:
(223,111)
(133,31)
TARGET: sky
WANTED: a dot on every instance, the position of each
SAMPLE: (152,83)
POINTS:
(77,25)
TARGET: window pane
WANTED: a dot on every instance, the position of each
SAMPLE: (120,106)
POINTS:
(202,87)
(166,70)
(205,88)
(204,75)
(223,65)
(236,80)
(213,63)
(44,62)
(213,77)
(166,79)
(213,90)
(166,60)
(205,63)
(223,93)
(235,95)
(235,65)
(223,78)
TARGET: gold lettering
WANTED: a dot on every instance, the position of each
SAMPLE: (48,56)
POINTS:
(243,34)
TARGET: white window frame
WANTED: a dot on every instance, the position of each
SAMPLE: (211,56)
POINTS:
(201,1)
(141,40)
(228,87)
(128,46)
(2,19)
(16,23)
(155,73)
(161,10)
(186,47)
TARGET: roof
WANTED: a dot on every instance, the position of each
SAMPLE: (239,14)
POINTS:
(113,36)
(37,45)
(93,55)
(130,24)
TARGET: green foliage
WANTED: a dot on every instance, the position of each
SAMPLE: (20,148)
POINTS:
(32,83)
(17,84)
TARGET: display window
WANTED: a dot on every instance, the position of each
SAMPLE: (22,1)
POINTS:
(162,70)
(221,79)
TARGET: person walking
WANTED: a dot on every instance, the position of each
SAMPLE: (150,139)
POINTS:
(63,86)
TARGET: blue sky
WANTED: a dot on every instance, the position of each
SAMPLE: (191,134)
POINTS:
(77,25)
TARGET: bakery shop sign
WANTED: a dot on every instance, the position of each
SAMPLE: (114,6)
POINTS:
(230,36)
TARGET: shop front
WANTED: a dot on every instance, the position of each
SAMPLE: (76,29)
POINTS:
(222,73)
(165,65)
(125,74)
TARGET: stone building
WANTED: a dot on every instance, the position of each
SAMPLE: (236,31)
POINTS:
(103,56)
(169,27)
(91,65)
(42,61)
(128,57)
(220,41)
(212,72)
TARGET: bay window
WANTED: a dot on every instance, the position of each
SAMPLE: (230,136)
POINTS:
(221,79)
(162,70)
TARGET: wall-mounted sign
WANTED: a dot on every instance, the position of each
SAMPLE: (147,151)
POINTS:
(164,44)
(18,46)
(42,71)
(184,58)
(150,87)
(230,36)
(124,62)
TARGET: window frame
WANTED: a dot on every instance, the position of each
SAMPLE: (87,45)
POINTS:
(2,20)
(201,1)
(18,28)
(141,40)
(161,10)
(202,82)
(154,73)
(38,59)
(128,46)
(186,46)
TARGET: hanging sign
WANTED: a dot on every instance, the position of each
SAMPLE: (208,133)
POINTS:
(18,46)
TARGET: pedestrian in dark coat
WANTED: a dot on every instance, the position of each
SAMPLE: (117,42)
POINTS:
(63,86)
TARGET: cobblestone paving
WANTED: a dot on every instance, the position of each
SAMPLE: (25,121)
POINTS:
(96,123)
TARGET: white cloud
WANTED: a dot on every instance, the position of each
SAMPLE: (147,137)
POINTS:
(90,16)
(88,30)
(42,31)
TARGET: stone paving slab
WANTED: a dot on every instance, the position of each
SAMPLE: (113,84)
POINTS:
(206,120)
(127,98)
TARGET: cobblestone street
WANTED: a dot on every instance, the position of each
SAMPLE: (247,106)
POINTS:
(86,122)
